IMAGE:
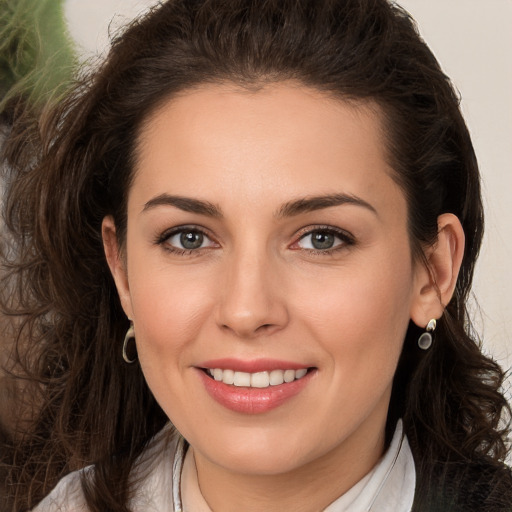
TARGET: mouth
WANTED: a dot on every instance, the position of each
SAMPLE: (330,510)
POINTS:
(260,380)
(254,386)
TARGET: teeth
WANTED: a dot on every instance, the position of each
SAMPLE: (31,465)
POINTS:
(242,379)
(276,377)
(289,376)
(260,380)
(228,376)
(256,380)
(300,373)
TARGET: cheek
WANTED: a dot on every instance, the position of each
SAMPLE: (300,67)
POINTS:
(168,318)
(360,314)
(169,310)
(360,328)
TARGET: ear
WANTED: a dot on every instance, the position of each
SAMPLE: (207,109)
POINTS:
(117,264)
(435,281)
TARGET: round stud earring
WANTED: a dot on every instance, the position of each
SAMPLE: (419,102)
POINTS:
(426,339)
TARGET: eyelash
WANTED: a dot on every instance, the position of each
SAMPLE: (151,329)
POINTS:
(166,235)
(346,240)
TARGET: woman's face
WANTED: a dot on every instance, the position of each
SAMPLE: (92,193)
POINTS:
(267,248)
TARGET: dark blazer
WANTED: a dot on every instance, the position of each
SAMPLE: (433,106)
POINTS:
(474,487)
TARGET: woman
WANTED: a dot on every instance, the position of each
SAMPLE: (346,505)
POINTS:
(257,223)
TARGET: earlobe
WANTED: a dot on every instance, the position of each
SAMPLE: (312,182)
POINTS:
(116,263)
(436,280)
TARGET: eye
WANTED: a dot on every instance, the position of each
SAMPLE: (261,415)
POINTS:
(324,240)
(182,240)
(188,239)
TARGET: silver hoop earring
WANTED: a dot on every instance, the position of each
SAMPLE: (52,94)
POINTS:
(425,340)
(130,335)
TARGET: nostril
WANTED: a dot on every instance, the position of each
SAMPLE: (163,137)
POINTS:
(249,331)
(266,329)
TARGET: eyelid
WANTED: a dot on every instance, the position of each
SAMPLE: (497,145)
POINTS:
(347,239)
(163,237)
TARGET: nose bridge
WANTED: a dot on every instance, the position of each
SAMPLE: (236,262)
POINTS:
(252,301)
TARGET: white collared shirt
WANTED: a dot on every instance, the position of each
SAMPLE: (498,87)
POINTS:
(167,485)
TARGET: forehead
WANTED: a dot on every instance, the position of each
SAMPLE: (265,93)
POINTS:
(222,143)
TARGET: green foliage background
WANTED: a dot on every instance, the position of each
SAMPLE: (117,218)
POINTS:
(37,55)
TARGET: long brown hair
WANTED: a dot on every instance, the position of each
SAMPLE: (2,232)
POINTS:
(73,167)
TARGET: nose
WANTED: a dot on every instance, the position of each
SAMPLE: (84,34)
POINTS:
(252,301)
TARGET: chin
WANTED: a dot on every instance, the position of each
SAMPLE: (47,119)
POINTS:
(258,453)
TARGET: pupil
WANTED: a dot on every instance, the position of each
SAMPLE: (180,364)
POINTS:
(321,240)
(191,240)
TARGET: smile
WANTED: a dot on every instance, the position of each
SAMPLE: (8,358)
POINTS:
(256,380)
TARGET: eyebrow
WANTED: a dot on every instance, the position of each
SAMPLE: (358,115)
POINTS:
(186,204)
(309,204)
(289,209)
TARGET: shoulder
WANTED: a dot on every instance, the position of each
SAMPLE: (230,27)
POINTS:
(66,497)
(151,477)
(153,474)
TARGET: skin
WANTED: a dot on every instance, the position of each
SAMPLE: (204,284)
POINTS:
(256,288)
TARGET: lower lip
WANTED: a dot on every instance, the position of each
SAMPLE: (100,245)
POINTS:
(253,400)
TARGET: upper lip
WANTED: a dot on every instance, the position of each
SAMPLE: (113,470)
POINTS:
(252,366)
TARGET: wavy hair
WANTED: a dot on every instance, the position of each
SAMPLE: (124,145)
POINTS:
(73,167)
